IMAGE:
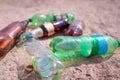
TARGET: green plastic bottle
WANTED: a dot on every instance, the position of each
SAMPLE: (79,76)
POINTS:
(72,50)
(66,51)
(39,19)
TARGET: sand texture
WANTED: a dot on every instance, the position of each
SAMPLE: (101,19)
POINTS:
(99,16)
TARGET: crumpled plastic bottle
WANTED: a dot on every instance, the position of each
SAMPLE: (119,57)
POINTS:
(43,61)
(39,19)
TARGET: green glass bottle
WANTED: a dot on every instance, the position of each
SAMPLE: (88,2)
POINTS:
(71,50)
(39,19)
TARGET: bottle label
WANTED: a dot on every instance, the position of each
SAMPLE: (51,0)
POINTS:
(50,28)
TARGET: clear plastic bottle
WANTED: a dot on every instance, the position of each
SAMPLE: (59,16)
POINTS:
(73,49)
(39,19)
(44,62)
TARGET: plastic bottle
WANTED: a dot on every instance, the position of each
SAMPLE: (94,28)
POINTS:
(67,51)
(75,29)
(70,50)
(49,29)
(9,36)
(44,62)
(40,19)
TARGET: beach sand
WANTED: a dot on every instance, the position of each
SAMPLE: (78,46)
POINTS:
(99,16)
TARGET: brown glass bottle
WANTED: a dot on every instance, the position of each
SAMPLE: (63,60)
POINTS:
(9,36)
(49,29)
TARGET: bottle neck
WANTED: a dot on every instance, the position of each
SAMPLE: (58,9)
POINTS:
(30,19)
(119,43)
(61,24)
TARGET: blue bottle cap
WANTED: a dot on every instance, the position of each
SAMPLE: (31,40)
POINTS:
(103,45)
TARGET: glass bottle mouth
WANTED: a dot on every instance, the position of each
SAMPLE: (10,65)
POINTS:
(30,19)
(24,23)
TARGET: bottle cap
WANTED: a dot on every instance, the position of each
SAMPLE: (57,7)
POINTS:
(26,36)
(100,45)
(103,45)
(29,68)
